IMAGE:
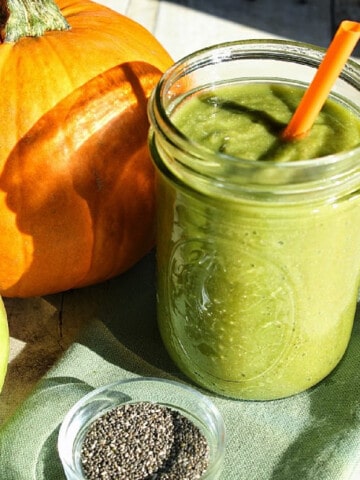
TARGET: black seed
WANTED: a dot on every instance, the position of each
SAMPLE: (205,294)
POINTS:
(144,441)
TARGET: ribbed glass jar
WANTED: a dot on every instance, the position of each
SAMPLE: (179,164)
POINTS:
(258,261)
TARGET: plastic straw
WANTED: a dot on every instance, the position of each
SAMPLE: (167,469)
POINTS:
(330,68)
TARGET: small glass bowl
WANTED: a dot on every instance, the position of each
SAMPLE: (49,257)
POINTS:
(184,399)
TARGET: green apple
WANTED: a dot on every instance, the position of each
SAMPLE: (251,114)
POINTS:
(4,343)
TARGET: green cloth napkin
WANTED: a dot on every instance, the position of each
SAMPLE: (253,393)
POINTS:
(311,436)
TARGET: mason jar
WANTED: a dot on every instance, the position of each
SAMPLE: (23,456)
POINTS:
(257,261)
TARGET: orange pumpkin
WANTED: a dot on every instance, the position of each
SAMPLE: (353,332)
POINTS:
(76,181)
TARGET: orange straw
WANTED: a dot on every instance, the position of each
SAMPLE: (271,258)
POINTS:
(315,96)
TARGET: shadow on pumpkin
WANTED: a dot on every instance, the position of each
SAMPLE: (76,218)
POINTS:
(81,184)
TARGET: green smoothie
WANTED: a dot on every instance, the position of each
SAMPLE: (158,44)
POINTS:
(246,121)
(256,295)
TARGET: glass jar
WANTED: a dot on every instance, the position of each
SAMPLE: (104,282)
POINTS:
(257,261)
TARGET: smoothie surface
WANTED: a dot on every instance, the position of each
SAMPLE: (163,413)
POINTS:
(246,121)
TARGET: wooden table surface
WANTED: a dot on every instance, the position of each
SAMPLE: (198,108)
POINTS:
(42,328)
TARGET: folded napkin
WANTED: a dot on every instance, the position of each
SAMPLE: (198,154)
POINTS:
(311,436)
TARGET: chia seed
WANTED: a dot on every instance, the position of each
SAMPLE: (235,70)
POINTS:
(144,441)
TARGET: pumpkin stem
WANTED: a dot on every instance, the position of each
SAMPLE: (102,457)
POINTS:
(29,18)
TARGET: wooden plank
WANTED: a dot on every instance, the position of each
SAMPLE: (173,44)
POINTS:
(183,29)
(41,329)
(186,25)
(36,343)
(306,21)
(144,12)
(345,10)
(118,6)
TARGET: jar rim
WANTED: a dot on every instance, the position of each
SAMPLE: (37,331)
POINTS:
(169,136)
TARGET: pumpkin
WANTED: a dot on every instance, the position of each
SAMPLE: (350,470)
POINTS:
(76,181)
